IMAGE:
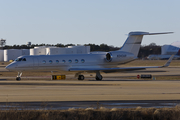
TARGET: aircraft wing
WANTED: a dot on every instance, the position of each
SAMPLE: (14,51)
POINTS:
(108,70)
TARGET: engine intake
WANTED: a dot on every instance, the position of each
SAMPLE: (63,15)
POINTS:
(119,56)
(109,57)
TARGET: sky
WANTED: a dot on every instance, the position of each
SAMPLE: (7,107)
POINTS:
(88,21)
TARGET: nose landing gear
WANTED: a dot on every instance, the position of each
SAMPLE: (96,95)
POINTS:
(18,78)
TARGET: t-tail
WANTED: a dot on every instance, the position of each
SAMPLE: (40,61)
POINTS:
(133,42)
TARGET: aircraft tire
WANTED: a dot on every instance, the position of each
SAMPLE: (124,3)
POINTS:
(81,77)
(99,78)
(18,78)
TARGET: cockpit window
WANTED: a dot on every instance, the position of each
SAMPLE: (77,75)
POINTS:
(20,59)
(24,59)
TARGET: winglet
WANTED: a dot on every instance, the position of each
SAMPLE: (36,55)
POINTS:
(168,62)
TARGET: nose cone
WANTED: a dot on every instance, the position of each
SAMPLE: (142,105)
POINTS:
(11,67)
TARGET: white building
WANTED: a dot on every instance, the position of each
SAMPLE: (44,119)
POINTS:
(55,51)
(80,49)
(68,50)
(25,51)
(1,55)
(12,54)
(38,50)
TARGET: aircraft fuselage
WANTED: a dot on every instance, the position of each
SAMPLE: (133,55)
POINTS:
(66,61)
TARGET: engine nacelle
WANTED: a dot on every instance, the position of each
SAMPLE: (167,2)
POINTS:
(119,56)
(109,57)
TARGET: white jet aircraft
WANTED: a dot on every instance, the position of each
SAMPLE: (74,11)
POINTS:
(93,62)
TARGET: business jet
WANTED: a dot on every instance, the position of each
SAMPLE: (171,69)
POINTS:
(97,62)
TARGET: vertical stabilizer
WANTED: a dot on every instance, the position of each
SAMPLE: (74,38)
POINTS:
(134,40)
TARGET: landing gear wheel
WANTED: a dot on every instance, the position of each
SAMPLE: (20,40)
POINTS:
(18,78)
(99,78)
(81,77)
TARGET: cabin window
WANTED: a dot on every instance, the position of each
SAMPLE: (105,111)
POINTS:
(63,61)
(76,61)
(50,61)
(57,61)
(82,60)
(43,61)
(70,61)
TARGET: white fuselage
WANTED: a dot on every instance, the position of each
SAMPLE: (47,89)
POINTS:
(65,62)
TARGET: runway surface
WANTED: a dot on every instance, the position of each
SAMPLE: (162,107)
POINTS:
(115,90)
(83,94)
(28,91)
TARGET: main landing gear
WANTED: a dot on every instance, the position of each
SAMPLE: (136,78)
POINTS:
(18,78)
(81,77)
(98,76)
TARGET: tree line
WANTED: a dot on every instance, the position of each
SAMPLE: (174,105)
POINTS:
(144,51)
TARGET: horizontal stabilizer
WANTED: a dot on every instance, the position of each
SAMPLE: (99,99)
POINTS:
(147,33)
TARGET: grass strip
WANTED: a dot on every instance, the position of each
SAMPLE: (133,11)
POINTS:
(94,114)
